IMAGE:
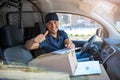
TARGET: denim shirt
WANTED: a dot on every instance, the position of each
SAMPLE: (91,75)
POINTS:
(52,44)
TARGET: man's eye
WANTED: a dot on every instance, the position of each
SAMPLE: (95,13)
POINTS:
(55,22)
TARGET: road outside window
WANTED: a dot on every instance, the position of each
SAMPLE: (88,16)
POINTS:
(78,27)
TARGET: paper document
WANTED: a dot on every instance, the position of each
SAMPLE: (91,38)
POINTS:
(88,67)
(62,51)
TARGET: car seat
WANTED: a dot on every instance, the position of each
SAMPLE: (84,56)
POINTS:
(39,28)
(12,43)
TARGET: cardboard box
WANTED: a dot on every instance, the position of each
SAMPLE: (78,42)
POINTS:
(66,62)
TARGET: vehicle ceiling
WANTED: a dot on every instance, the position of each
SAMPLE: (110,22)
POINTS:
(108,9)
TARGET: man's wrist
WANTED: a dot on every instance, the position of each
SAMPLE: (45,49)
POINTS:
(33,40)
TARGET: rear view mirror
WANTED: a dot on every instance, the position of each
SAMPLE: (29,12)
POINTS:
(99,32)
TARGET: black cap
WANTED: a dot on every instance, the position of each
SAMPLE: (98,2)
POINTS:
(51,16)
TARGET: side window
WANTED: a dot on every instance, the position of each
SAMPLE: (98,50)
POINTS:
(77,27)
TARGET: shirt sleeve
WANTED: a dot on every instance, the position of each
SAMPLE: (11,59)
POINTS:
(41,44)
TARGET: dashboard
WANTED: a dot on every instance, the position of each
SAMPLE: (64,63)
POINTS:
(110,56)
(107,52)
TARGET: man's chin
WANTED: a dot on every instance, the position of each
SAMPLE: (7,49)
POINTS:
(54,32)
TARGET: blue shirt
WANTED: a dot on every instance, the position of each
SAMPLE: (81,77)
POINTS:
(53,44)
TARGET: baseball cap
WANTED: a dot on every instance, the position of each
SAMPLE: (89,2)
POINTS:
(51,16)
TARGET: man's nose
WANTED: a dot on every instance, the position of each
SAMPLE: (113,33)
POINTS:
(53,25)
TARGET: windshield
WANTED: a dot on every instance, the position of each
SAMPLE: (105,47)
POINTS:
(108,10)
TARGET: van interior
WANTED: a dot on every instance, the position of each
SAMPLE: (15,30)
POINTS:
(93,25)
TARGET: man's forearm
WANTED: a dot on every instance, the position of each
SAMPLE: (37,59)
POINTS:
(30,44)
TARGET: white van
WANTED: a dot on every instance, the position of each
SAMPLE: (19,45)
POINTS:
(93,25)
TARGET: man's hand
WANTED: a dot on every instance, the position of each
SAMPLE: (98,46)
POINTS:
(40,38)
(69,44)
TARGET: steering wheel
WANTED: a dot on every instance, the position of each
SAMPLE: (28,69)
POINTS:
(87,44)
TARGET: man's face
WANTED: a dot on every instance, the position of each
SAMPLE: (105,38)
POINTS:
(52,26)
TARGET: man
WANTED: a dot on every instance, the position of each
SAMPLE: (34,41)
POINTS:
(53,39)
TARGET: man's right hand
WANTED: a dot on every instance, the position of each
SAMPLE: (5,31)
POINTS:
(40,38)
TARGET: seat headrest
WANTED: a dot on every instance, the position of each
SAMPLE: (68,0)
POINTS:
(10,35)
(40,27)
